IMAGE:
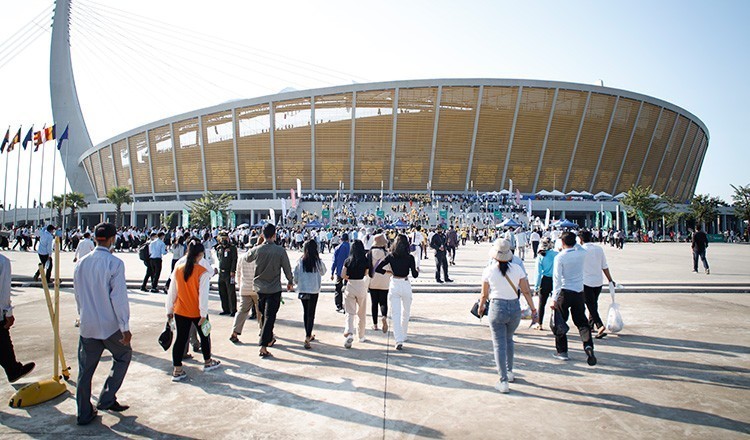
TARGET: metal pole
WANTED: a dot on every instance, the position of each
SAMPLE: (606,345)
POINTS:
(15,203)
(65,190)
(5,187)
(28,188)
(41,180)
(52,196)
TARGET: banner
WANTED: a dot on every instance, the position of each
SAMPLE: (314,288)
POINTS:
(596,220)
(625,221)
(272,214)
(511,186)
(299,189)
(326,213)
(213,219)
(185,218)
(232,219)
(380,213)
(283,208)
(546,219)
(498,215)
(294,198)
(444,214)
(219,219)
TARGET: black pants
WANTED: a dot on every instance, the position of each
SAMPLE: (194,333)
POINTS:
(379,300)
(174,263)
(452,253)
(591,295)
(269,305)
(7,355)
(535,248)
(573,303)
(183,325)
(338,298)
(545,289)
(149,273)
(441,261)
(308,313)
(45,259)
(89,354)
(227,293)
(696,254)
(155,272)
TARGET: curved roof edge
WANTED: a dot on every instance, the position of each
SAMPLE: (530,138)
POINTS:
(359,87)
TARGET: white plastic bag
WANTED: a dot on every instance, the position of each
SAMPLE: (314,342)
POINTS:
(525,309)
(614,319)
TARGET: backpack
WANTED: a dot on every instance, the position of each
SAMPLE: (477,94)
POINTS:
(143,252)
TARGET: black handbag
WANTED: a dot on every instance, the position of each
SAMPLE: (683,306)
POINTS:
(165,338)
(475,309)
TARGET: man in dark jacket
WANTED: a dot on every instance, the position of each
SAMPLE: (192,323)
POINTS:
(439,245)
(452,244)
(226,253)
(699,245)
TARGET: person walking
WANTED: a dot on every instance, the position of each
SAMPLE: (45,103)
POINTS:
(451,242)
(245,274)
(84,247)
(102,301)
(355,271)
(13,369)
(187,303)
(438,244)
(699,244)
(379,282)
(307,276)
(521,243)
(535,238)
(226,253)
(45,249)
(594,264)
(178,250)
(271,259)
(568,298)
(157,250)
(545,262)
(339,256)
(416,247)
(399,263)
(499,286)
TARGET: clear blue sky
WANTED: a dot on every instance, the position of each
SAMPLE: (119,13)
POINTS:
(690,53)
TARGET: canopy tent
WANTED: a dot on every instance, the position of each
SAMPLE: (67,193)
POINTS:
(314,224)
(573,193)
(400,224)
(543,192)
(565,223)
(508,223)
(585,194)
(619,196)
(557,193)
(602,195)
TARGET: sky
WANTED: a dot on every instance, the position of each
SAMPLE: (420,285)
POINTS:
(139,61)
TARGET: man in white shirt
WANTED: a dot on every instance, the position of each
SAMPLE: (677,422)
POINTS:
(84,247)
(535,239)
(13,369)
(521,242)
(594,264)
(567,296)
(416,239)
(102,301)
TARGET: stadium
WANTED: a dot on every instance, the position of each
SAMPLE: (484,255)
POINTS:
(443,135)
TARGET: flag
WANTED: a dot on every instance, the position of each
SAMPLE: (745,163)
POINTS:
(294,198)
(511,185)
(299,188)
(27,138)
(5,140)
(518,197)
(273,215)
(49,133)
(62,137)
(16,139)
(38,139)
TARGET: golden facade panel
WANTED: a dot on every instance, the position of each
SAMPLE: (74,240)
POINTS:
(414,132)
(644,130)
(594,130)
(689,163)
(333,140)
(681,161)
(122,164)
(562,137)
(663,131)
(254,147)
(139,155)
(218,148)
(92,175)
(673,149)
(493,134)
(108,168)
(373,139)
(188,155)
(292,143)
(453,143)
(160,148)
(694,170)
(617,142)
(101,188)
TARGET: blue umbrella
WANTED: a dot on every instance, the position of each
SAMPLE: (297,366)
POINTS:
(564,223)
(400,224)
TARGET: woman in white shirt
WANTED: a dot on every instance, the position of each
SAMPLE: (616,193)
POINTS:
(500,283)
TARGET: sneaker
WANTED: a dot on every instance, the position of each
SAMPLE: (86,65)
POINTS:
(385,325)
(590,358)
(362,339)
(511,376)
(708,271)
(178,377)
(695,270)
(340,310)
(211,365)
(502,386)
(561,356)
(348,341)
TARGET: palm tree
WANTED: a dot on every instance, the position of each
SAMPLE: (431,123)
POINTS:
(119,196)
(57,204)
(200,210)
(75,201)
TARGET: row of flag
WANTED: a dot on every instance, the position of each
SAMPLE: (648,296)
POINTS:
(37,137)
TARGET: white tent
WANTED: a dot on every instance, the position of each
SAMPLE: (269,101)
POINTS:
(544,192)
(573,193)
(619,196)
(602,195)
(557,193)
(504,191)
(585,194)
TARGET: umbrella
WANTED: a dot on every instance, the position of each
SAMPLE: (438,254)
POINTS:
(543,192)
(602,195)
(509,223)
(260,224)
(314,224)
(564,223)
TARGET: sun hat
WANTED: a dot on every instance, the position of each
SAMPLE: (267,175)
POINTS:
(501,251)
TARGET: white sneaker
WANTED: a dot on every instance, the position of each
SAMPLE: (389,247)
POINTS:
(362,339)
(348,341)
(511,376)
(502,386)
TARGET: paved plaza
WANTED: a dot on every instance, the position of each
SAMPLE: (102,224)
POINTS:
(680,368)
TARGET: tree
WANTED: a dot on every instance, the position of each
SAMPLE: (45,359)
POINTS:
(119,196)
(200,210)
(75,201)
(741,198)
(57,204)
(167,220)
(704,208)
(641,199)
(670,213)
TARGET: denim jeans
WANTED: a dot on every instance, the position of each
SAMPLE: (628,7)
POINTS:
(696,254)
(505,315)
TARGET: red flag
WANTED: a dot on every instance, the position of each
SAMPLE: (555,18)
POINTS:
(49,133)
(38,139)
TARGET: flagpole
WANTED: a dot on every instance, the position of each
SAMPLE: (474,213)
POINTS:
(28,188)
(65,189)
(15,203)
(5,187)
(51,199)
(41,181)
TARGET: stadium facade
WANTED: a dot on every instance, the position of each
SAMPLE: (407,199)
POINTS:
(451,135)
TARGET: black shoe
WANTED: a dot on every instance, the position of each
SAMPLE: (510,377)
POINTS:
(154,290)
(590,358)
(448,280)
(232,314)
(253,317)
(223,313)
(143,289)
(86,422)
(340,310)
(114,407)
(439,281)
(25,369)
(197,348)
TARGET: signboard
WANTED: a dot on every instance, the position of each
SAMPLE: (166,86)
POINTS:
(443,214)
(380,213)
(326,213)
(498,215)
(715,238)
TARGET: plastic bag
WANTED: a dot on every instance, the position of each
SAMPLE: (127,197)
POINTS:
(614,318)
(525,309)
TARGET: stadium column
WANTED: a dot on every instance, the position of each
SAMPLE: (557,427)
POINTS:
(677,158)
(546,138)
(435,132)
(101,169)
(111,161)
(312,144)
(627,149)
(353,139)
(666,147)
(575,144)
(272,130)
(393,138)
(203,153)
(474,137)
(696,169)
(174,159)
(150,167)
(687,159)
(604,144)
(650,143)
(510,139)
(133,214)
(236,156)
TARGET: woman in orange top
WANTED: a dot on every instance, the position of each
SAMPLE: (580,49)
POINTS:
(187,302)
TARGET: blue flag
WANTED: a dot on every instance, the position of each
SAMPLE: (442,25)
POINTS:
(6,140)
(27,138)
(62,138)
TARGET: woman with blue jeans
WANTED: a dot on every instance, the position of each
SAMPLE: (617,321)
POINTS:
(500,283)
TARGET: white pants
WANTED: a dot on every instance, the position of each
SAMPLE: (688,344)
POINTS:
(399,295)
(417,254)
(355,303)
